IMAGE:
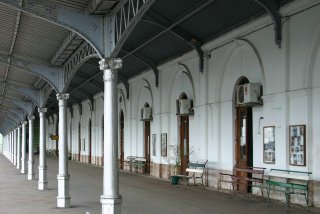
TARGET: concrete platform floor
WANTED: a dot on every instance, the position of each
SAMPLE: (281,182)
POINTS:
(140,195)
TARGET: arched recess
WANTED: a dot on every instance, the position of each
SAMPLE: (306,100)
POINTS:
(182,87)
(242,59)
(313,63)
(182,82)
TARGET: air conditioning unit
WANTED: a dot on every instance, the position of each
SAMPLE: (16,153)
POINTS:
(146,113)
(185,107)
(249,94)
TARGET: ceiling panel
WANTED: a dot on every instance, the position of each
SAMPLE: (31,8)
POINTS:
(38,39)
(7,25)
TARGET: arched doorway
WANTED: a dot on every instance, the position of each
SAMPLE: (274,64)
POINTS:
(121,140)
(90,143)
(183,121)
(79,142)
(243,136)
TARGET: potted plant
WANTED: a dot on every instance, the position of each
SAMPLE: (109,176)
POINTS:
(174,157)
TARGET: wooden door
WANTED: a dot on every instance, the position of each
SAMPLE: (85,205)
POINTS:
(79,142)
(90,143)
(184,143)
(121,140)
(147,145)
(243,127)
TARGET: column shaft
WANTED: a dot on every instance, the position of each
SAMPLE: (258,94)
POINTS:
(63,198)
(111,199)
(23,147)
(43,182)
(15,147)
(31,161)
(19,148)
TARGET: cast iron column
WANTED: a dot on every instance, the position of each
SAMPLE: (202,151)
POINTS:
(11,147)
(15,147)
(63,199)
(23,148)
(111,199)
(43,182)
(19,148)
(31,161)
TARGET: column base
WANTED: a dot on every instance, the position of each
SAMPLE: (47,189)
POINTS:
(63,199)
(23,166)
(30,170)
(42,183)
(63,202)
(111,205)
(31,177)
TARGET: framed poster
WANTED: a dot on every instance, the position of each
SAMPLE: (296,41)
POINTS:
(297,145)
(269,146)
(164,144)
(154,145)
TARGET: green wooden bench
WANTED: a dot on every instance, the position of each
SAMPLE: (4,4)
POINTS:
(194,172)
(288,182)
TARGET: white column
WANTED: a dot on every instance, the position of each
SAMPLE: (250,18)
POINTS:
(43,182)
(63,198)
(111,199)
(31,161)
(11,148)
(15,147)
(23,147)
(19,148)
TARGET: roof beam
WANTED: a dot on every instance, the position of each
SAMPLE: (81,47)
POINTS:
(52,75)
(34,95)
(191,40)
(13,43)
(10,111)
(14,108)
(27,107)
(92,81)
(127,24)
(176,23)
(89,27)
(272,7)
(148,62)
(12,117)
(8,122)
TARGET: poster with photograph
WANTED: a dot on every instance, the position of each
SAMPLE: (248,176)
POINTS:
(164,144)
(154,145)
(297,145)
(269,146)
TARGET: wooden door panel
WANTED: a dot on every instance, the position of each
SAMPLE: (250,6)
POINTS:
(147,145)
(184,143)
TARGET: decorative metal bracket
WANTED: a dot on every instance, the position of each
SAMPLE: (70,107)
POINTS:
(272,7)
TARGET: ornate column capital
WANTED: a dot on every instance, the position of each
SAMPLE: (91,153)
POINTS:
(63,96)
(31,117)
(42,110)
(23,123)
(110,63)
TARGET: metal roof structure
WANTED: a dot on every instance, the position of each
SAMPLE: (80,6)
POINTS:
(42,42)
